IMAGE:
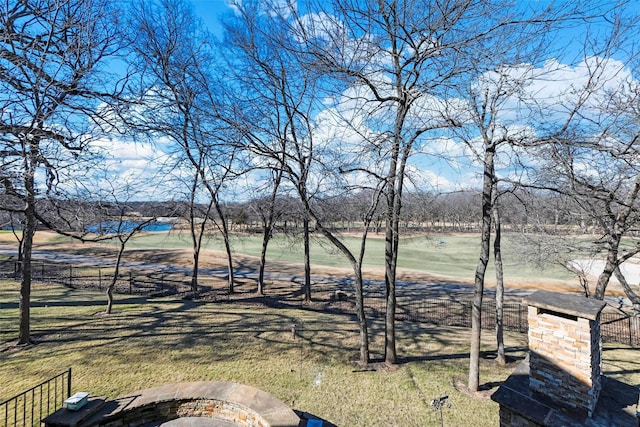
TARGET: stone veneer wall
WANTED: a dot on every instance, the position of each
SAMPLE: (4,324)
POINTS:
(172,409)
(565,354)
(214,408)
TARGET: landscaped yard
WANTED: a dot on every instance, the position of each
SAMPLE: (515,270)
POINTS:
(151,342)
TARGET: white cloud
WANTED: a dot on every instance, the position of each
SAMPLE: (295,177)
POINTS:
(548,94)
(319,27)
(129,169)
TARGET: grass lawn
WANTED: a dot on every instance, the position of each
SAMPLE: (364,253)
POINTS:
(442,255)
(146,343)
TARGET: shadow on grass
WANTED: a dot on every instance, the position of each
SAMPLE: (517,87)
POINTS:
(228,331)
(512,355)
(622,362)
(74,303)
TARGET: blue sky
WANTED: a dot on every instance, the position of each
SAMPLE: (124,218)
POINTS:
(209,11)
(445,176)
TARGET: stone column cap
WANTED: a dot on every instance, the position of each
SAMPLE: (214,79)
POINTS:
(571,304)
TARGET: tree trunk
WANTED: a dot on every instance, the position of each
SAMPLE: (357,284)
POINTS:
(392,222)
(356,264)
(196,233)
(194,269)
(231,281)
(359,286)
(268,221)
(227,245)
(497,258)
(263,257)
(24,333)
(633,297)
(307,261)
(114,280)
(110,296)
(194,237)
(611,263)
(391,239)
(362,319)
(485,243)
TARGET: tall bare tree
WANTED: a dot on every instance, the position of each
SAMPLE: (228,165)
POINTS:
(179,96)
(497,258)
(384,49)
(486,132)
(280,116)
(593,157)
(402,58)
(517,39)
(275,98)
(118,225)
(268,210)
(53,79)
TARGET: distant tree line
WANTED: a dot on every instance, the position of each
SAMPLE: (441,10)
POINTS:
(524,212)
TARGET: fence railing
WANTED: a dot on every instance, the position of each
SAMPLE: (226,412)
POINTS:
(31,406)
(100,278)
(616,326)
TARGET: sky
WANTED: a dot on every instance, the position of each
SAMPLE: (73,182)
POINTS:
(209,11)
(134,160)
(137,161)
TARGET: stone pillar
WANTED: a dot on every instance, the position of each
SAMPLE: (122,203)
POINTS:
(565,349)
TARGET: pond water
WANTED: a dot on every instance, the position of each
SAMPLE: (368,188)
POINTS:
(110,227)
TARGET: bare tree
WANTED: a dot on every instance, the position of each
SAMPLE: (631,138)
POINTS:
(494,123)
(401,59)
(178,94)
(486,133)
(119,225)
(53,81)
(497,257)
(283,128)
(594,160)
(384,49)
(198,218)
(280,96)
(268,210)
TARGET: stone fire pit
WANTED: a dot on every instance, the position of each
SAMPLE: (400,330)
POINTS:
(188,403)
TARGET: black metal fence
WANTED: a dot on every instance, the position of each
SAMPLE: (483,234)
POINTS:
(616,325)
(128,282)
(31,406)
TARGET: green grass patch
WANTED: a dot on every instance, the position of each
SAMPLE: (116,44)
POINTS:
(146,343)
(448,255)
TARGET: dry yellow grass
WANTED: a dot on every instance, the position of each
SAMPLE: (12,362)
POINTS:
(151,342)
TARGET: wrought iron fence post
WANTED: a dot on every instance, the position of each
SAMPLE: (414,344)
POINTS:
(31,406)
(69,383)
(519,317)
